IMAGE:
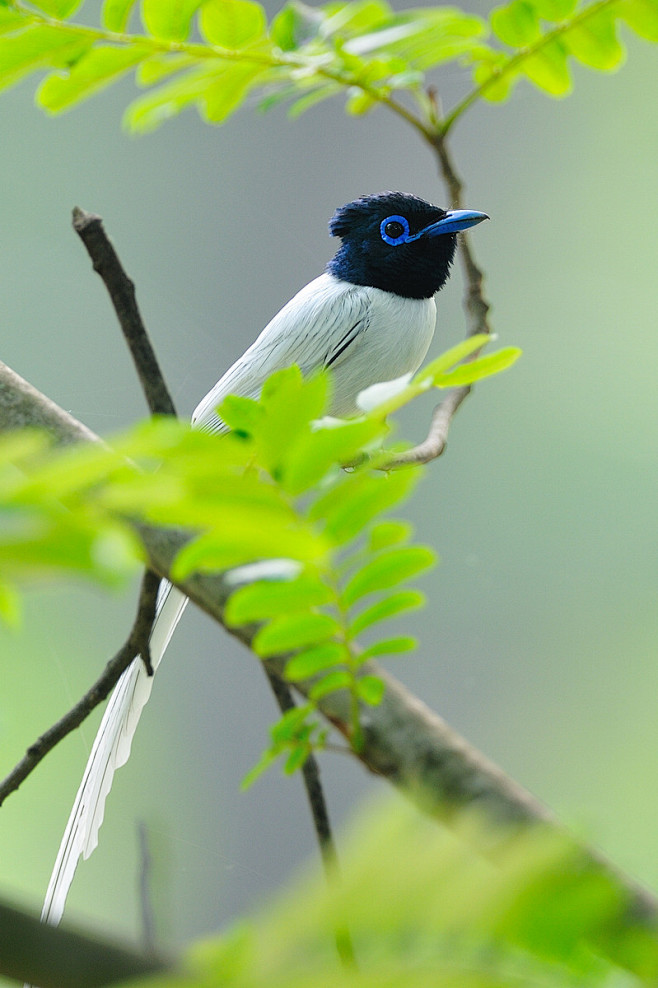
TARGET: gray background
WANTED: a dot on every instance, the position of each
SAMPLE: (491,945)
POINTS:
(539,644)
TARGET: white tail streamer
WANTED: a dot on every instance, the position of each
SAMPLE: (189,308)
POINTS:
(110,751)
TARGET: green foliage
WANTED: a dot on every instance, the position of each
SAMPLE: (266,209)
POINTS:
(335,570)
(425,912)
(362,49)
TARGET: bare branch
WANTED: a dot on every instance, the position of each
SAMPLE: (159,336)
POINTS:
(136,644)
(320,814)
(64,957)
(121,289)
(403,740)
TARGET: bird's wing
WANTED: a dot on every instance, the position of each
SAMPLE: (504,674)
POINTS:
(110,751)
(314,329)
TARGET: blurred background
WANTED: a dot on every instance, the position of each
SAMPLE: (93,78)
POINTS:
(539,644)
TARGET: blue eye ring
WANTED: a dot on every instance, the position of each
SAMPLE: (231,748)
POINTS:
(401,238)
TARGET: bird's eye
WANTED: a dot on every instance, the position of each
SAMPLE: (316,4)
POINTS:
(394,230)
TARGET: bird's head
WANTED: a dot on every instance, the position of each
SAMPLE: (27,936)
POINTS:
(397,242)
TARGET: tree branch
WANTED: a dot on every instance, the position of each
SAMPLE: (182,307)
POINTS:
(121,289)
(404,741)
(64,957)
(136,644)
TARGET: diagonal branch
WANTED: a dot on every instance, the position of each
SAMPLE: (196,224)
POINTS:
(136,644)
(121,289)
(406,742)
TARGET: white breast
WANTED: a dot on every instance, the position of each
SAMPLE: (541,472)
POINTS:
(365,335)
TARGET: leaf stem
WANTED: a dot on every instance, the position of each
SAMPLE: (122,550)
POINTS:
(446,125)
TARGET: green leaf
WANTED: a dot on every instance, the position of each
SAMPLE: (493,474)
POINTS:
(228,90)
(169,19)
(353,18)
(387,533)
(490,74)
(595,42)
(481,367)
(349,506)
(641,16)
(388,569)
(10,20)
(268,598)
(61,9)
(283,28)
(290,631)
(325,446)
(389,607)
(455,355)
(341,679)
(548,69)
(241,414)
(232,23)
(371,690)
(10,605)
(265,761)
(38,46)
(242,542)
(390,646)
(98,68)
(155,68)
(150,111)
(516,24)
(116,14)
(313,661)
(296,759)
(555,10)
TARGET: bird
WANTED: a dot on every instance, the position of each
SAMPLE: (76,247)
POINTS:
(369,318)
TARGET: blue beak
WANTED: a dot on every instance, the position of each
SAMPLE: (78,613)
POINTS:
(454,221)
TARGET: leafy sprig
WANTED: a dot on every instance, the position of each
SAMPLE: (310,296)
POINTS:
(363,50)
(310,559)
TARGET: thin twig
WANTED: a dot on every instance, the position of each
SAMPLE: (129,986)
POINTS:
(121,289)
(477,309)
(320,815)
(136,644)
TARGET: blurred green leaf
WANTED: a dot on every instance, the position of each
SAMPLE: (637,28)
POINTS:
(595,43)
(641,16)
(231,23)
(228,90)
(169,19)
(388,569)
(517,23)
(390,532)
(58,8)
(390,646)
(314,660)
(333,681)
(388,607)
(296,630)
(370,689)
(11,609)
(116,14)
(38,46)
(245,540)
(96,69)
(270,598)
(351,504)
